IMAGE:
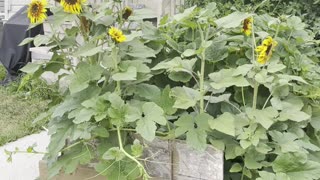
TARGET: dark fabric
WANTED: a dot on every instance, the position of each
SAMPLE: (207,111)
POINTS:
(12,56)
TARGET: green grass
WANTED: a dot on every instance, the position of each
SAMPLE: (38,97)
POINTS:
(16,116)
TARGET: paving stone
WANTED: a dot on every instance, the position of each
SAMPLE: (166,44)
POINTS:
(195,165)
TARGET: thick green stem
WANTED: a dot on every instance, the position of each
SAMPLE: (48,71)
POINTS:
(203,63)
(202,93)
(140,166)
(255,95)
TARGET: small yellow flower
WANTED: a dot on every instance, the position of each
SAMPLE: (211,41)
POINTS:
(72,6)
(247,26)
(265,50)
(267,41)
(37,11)
(127,11)
(261,48)
(117,35)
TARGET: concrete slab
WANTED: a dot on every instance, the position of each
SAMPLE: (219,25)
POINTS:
(23,166)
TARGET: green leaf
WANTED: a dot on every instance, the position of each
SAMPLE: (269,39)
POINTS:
(265,117)
(293,115)
(88,49)
(224,123)
(146,128)
(41,40)
(31,68)
(118,110)
(85,73)
(233,20)
(185,97)
(224,78)
(218,99)
(177,65)
(242,70)
(136,148)
(146,125)
(100,132)
(129,75)
(113,154)
(195,129)
(286,141)
(189,52)
(197,139)
(186,14)
(274,67)
(296,166)
(26,41)
(84,116)
(136,48)
(165,101)
(58,139)
(235,168)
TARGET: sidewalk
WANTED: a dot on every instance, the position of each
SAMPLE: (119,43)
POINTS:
(23,166)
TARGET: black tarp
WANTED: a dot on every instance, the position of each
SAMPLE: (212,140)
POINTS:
(15,30)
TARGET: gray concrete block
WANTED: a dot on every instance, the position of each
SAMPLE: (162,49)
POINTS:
(196,165)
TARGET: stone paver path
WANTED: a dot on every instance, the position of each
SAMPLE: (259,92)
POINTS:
(23,166)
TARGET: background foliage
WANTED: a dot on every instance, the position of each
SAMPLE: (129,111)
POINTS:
(196,78)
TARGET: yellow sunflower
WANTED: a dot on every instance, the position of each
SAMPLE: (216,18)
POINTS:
(247,26)
(72,6)
(117,35)
(37,11)
(265,50)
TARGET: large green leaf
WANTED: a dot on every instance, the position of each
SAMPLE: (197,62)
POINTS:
(286,141)
(89,49)
(146,125)
(185,97)
(296,166)
(265,117)
(233,20)
(224,78)
(195,127)
(177,65)
(31,68)
(85,73)
(41,40)
(129,75)
(224,123)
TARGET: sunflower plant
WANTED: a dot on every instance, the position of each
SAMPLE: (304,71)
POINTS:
(246,84)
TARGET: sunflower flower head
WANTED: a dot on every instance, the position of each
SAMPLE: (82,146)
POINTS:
(37,11)
(72,6)
(117,35)
(127,11)
(247,26)
(265,50)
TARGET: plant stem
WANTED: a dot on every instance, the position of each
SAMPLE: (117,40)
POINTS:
(202,82)
(243,98)
(203,62)
(255,95)
(128,155)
